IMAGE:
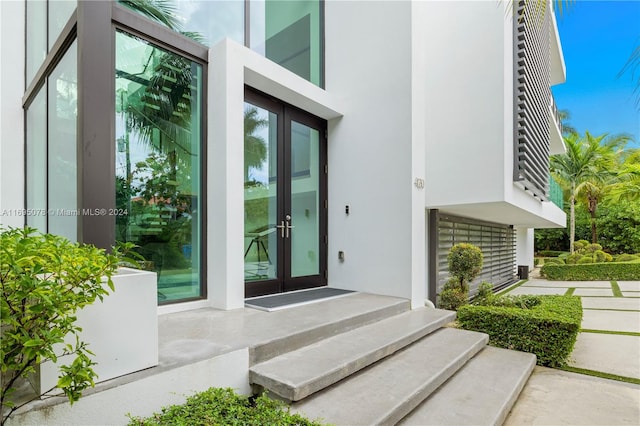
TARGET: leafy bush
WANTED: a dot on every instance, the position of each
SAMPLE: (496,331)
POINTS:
(583,260)
(572,259)
(601,256)
(217,406)
(551,253)
(626,258)
(593,272)
(553,261)
(452,296)
(580,245)
(465,262)
(44,280)
(484,295)
(547,328)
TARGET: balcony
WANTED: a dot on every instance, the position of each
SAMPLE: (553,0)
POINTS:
(556,195)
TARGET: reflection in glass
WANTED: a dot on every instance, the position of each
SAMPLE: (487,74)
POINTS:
(62,156)
(260,193)
(212,20)
(59,13)
(36,49)
(37,160)
(158,139)
(289,33)
(305,245)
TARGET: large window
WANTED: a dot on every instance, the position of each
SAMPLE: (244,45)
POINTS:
(158,98)
(289,32)
(52,184)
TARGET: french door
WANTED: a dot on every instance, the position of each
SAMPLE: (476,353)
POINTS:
(285,207)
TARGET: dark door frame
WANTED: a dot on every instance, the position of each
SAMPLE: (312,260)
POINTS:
(287,113)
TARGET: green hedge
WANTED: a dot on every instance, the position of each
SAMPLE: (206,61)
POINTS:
(548,330)
(551,253)
(218,406)
(592,272)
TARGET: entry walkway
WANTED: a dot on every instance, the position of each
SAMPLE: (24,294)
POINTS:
(609,342)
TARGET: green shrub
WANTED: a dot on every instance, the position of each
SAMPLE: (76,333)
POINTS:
(572,259)
(608,271)
(548,329)
(601,256)
(537,261)
(217,406)
(553,261)
(580,245)
(627,258)
(485,294)
(44,280)
(551,253)
(452,296)
(584,259)
(465,262)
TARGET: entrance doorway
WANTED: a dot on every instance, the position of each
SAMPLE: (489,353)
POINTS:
(285,197)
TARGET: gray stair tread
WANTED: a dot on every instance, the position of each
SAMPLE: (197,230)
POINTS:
(387,391)
(481,393)
(299,373)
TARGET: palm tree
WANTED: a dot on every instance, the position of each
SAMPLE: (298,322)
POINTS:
(628,185)
(574,167)
(606,174)
(255,147)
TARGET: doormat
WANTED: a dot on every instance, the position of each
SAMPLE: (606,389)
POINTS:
(295,298)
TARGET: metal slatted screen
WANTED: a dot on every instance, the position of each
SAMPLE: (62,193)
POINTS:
(496,241)
(532,97)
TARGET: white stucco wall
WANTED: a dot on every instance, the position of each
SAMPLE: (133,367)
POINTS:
(524,247)
(11,113)
(368,66)
(465,116)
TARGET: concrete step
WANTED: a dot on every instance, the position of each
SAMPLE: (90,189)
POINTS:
(294,328)
(481,393)
(387,391)
(296,375)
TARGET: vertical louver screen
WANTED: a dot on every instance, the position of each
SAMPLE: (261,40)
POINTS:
(497,243)
(532,98)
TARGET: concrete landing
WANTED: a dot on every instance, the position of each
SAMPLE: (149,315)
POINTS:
(481,393)
(297,374)
(387,391)
(611,320)
(555,397)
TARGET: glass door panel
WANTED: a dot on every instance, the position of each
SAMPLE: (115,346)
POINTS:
(284,198)
(304,199)
(260,193)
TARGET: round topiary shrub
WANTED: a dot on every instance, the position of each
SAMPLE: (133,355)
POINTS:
(585,259)
(465,263)
(601,256)
(580,245)
(573,258)
(452,296)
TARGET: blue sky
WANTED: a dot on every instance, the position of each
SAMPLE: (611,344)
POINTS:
(597,38)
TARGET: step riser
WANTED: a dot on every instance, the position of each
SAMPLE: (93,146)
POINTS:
(482,392)
(261,353)
(295,393)
(400,411)
(387,391)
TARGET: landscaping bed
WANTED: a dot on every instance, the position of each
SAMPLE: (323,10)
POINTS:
(546,326)
(607,271)
(222,406)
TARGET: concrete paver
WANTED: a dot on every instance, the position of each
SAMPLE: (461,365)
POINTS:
(538,290)
(555,397)
(611,303)
(567,284)
(611,320)
(629,285)
(608,353)
(635,294)
(593,292)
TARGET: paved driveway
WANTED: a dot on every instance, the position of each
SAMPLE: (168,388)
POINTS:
(609,342)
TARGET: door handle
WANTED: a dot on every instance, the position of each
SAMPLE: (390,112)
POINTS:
(288,227)
(282,227)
